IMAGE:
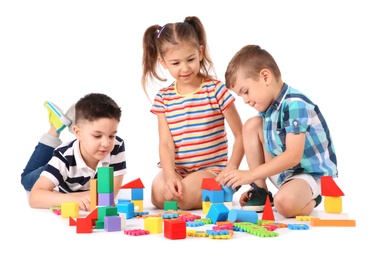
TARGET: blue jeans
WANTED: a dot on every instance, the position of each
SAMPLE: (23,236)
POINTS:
(36,164)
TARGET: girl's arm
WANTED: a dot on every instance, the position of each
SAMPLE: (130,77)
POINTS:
(235,124)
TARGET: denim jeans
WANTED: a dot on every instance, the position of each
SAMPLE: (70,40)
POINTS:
(36,164)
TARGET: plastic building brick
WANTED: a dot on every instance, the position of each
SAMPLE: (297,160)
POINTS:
(316,222)
(197,233)
(303,218)
(188,217)
(136,232)
(297,226)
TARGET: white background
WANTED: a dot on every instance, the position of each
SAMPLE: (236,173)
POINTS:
(336,52)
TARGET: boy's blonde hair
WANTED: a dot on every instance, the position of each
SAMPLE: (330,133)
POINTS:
(251,59)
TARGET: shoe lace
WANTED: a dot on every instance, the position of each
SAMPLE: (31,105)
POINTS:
(256,191)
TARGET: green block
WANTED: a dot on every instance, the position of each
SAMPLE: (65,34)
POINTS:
(105,180)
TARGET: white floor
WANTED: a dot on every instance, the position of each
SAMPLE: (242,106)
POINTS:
(41,233)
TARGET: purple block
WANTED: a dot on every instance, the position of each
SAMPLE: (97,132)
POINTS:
(106,199)
(112,223)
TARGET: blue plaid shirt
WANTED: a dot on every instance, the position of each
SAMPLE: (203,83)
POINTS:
(293,112)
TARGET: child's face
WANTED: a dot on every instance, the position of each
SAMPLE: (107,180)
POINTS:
(97,139)
(255,93)
(183,63)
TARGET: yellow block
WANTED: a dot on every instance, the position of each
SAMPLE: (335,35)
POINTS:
(333,204)
(70,209)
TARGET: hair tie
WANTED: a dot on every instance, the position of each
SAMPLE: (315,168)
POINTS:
(160,31)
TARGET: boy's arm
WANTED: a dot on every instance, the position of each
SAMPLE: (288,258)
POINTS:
(295,144)
(43,195)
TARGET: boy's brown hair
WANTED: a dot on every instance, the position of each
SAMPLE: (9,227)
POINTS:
(251,59)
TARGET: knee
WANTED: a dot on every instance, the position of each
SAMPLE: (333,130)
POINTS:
(253,124)
(284,205)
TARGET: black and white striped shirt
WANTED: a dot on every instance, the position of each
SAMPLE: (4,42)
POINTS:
(68,171)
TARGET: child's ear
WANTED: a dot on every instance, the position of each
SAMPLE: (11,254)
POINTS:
(76,131)
(201,52)
(162,62)
(265,74)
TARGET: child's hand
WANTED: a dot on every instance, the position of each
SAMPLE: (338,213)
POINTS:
(173,188)
(83,198)
(237,178)
(244,198)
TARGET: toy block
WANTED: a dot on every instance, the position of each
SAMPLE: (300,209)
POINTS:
(136,232)
(206,206)
(70,209)
(175,229)
(126,207)
(214,196)
(106,211)
(93,194)
(237,215)
(218,212)
(112,223)
(228,193)
(153,225)
(268,213)
(84,225)
(56,211)
(106,199)
(93,215)
(105,177)
(304,218)
(137,194)
(170,205)
(316,222)
(329,187)
(72,221)
(138,205)
(297,226)
(333,204)
(123,219)
(325,215)
(133,184)
(188,217)
(210,184)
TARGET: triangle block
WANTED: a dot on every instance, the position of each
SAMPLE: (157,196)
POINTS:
(210,184)
(330,188)
(133,184)
(268,213)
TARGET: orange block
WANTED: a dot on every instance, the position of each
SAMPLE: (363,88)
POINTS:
(316,222)
(93,194)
